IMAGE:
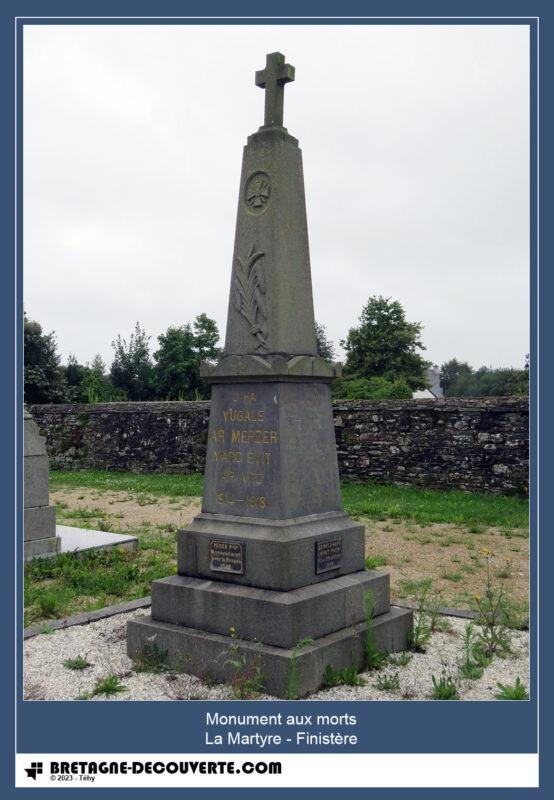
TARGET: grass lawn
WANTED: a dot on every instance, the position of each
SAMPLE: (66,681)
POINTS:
(360,499)
(417,535)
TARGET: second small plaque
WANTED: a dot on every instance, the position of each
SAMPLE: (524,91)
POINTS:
(328,554)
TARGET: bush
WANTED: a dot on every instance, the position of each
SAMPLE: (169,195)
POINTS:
(371,389)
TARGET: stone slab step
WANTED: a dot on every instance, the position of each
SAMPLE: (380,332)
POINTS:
(207,654)
(275,618)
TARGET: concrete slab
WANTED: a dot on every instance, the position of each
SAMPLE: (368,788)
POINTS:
(75,540)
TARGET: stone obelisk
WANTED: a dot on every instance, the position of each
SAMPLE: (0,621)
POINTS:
(272,553)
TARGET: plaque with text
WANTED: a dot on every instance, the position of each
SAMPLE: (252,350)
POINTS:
(328,554)
(227,556)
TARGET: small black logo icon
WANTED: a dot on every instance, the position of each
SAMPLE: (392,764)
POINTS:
(34,770)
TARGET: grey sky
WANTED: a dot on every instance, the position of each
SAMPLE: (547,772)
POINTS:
(416,147)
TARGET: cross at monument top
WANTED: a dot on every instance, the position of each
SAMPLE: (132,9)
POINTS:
(273,79)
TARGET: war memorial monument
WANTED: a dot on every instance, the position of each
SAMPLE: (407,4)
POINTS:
(272,555)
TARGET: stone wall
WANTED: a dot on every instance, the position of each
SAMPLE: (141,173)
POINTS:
(477,444)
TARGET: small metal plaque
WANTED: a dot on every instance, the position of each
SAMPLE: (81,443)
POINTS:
(328,554)
(226,556)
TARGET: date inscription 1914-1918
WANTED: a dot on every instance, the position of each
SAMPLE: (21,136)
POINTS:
(227,556)
(328,554)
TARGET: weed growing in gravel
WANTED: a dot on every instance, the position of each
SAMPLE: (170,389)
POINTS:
(209,679)
(291,689)
(474,659)
(400,659)
(151,659)
(388,683)
(421,631)
(248,679)
(446,688)
(338,677)
(375,658)
(419,636)
(108,686)
(493,634)
(77,663)
(515,692)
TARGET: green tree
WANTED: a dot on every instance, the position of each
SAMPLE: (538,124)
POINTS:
(452,372)
(132,371)
(96,386)
(385,345)
(325,349)
(176,364)
(206,338)
(43,378)
(74,374)
(178,359)
(463,381)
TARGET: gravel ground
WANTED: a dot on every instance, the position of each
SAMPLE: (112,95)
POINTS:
(103,644)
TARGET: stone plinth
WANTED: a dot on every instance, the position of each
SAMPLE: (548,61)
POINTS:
(39,518)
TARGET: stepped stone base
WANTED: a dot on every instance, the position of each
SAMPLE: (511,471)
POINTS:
(281,619)
(204,654)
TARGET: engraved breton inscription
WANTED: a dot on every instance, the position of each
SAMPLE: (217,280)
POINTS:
(257,192)
(328,554)
(242,449)
(248,293)
(227,556)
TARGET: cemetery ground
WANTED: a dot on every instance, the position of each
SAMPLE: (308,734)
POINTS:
(441,549)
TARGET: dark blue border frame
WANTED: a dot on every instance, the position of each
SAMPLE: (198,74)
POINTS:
(398,727)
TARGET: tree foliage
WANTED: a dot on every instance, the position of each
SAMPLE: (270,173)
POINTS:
(43,378)
(178,359)
(452,372)
(458,379)
(385,345)
(325,348)
(132,370)
(371,389)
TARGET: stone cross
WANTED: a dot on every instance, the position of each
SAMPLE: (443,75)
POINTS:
(273,79)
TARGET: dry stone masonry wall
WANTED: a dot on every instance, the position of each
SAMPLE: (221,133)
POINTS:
(476,444)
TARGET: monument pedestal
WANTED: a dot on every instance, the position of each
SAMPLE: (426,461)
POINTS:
(253,562)
(272,555)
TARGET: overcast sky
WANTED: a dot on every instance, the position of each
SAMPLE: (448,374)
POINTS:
(415,144)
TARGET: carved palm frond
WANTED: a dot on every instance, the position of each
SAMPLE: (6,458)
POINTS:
(248,294)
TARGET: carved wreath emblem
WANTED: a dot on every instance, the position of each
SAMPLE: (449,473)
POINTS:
(257,191)
(248,295)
